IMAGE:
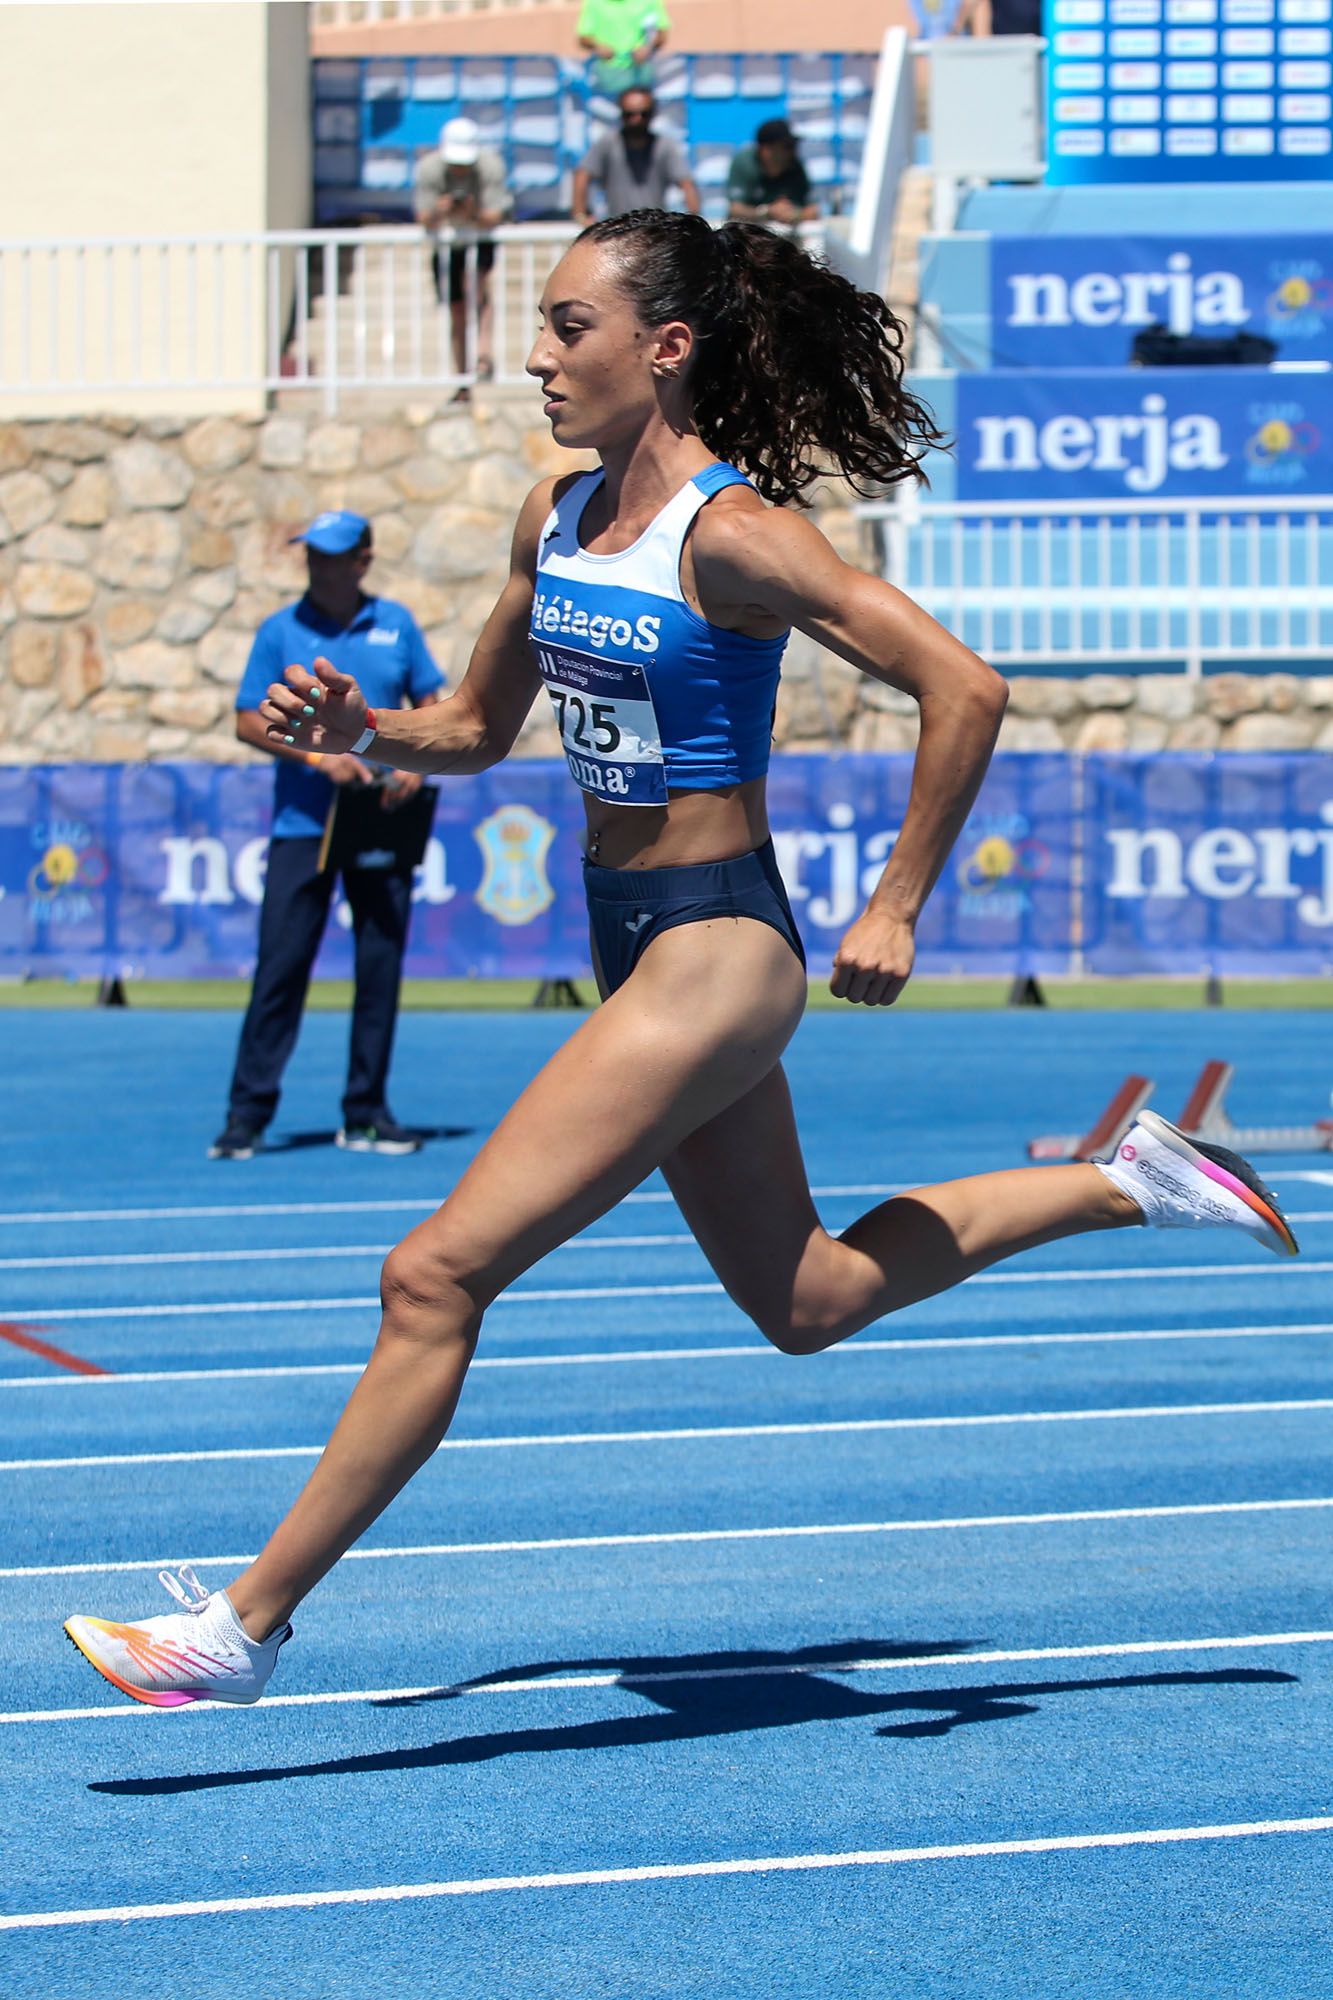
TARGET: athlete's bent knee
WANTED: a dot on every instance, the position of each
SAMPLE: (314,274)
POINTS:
(424,1296)
(793,1340)
(791,1333)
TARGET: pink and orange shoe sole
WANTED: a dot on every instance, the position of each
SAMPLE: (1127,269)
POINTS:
(1231,1172)
(152,1655)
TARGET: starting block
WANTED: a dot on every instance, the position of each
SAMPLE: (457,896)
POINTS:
(1205,1116)
(1102,1136)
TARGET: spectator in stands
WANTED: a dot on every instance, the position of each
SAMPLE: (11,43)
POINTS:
(635,167)
(622,37)
(380,643)
(767,181)
(461,188)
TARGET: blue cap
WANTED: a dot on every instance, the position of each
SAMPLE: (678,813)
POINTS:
(334,534)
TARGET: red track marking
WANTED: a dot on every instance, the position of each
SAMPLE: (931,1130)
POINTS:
(29,1341)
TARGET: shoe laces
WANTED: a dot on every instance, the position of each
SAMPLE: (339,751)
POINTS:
(185,1587)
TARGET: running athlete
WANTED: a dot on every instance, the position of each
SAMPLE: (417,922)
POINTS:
(653,598)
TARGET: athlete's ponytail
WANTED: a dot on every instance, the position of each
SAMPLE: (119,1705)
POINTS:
(795,369)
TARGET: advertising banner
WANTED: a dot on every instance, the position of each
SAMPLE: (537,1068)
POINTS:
(158,870)
(1198,863)
(1134,434)
(1078,301)
(1004,902)
(1188,90)
(1171,863)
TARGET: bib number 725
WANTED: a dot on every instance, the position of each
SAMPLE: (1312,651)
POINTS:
(576,717)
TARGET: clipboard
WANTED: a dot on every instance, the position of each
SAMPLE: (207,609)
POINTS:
(360,831)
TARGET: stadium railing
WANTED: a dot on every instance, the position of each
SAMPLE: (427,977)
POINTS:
(330,310)
(1195,584)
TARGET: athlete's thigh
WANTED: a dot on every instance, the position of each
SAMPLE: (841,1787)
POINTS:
(705,1014)
(740,1182)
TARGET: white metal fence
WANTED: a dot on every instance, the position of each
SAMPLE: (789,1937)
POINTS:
(1198,583)
(324,309)
(328,310)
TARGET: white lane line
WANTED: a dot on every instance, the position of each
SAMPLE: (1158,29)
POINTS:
(626,1677)
(694,1434)
(752,1350)
(310,1253)
(1110,1274)
(665,1871)
(26,1218)
(46,1315)
(208,1308)
(300,1253)
(19,1218)
(680,1536)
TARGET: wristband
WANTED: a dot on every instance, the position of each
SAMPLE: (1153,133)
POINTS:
(367,736)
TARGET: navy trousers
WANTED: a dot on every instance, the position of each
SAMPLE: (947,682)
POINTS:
(295,911)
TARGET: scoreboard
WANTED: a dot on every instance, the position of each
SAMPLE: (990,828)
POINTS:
(1189,90)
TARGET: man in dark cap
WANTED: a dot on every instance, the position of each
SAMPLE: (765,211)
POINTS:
(380,643)
(767,182)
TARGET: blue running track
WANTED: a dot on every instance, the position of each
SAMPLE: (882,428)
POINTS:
(989,1655)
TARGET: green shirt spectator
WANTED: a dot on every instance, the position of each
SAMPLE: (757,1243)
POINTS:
(623,36)
(767,182)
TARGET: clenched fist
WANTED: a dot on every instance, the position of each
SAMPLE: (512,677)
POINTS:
(324,711)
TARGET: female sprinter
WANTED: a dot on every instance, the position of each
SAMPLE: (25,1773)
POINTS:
(653,597)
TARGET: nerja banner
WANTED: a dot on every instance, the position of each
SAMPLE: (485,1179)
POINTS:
(1078,301)
(1115,864)
(159,869)
(1139,434)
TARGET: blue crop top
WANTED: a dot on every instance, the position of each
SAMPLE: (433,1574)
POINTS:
(649,697)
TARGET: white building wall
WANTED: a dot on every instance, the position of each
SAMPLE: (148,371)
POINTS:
(144,118)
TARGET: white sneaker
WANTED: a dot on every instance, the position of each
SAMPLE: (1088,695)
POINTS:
(200,1653)
(1182,1183)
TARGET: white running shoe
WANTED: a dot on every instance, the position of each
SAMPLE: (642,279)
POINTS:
(200,1653)
(1183,1183)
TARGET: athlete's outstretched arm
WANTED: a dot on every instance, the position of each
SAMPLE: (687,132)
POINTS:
(753,566)
(468,731)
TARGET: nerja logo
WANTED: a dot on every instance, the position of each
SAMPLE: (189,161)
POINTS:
(1139,448)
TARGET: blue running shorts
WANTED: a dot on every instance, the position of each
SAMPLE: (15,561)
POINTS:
(629,907)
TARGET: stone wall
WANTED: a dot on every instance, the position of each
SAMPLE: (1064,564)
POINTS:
(1265,711)
(137,558)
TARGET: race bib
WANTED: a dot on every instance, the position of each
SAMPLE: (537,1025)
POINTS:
(607,724)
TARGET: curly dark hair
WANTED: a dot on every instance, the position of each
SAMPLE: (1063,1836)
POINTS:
(795,368)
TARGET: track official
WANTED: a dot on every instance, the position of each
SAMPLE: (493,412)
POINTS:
(380,643)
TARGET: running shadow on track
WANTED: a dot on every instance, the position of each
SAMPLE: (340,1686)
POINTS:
(697,1666)
(723,1704)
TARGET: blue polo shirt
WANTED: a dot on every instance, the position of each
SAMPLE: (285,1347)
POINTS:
(385,653)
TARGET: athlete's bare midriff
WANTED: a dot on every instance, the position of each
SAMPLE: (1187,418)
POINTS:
(691,827)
